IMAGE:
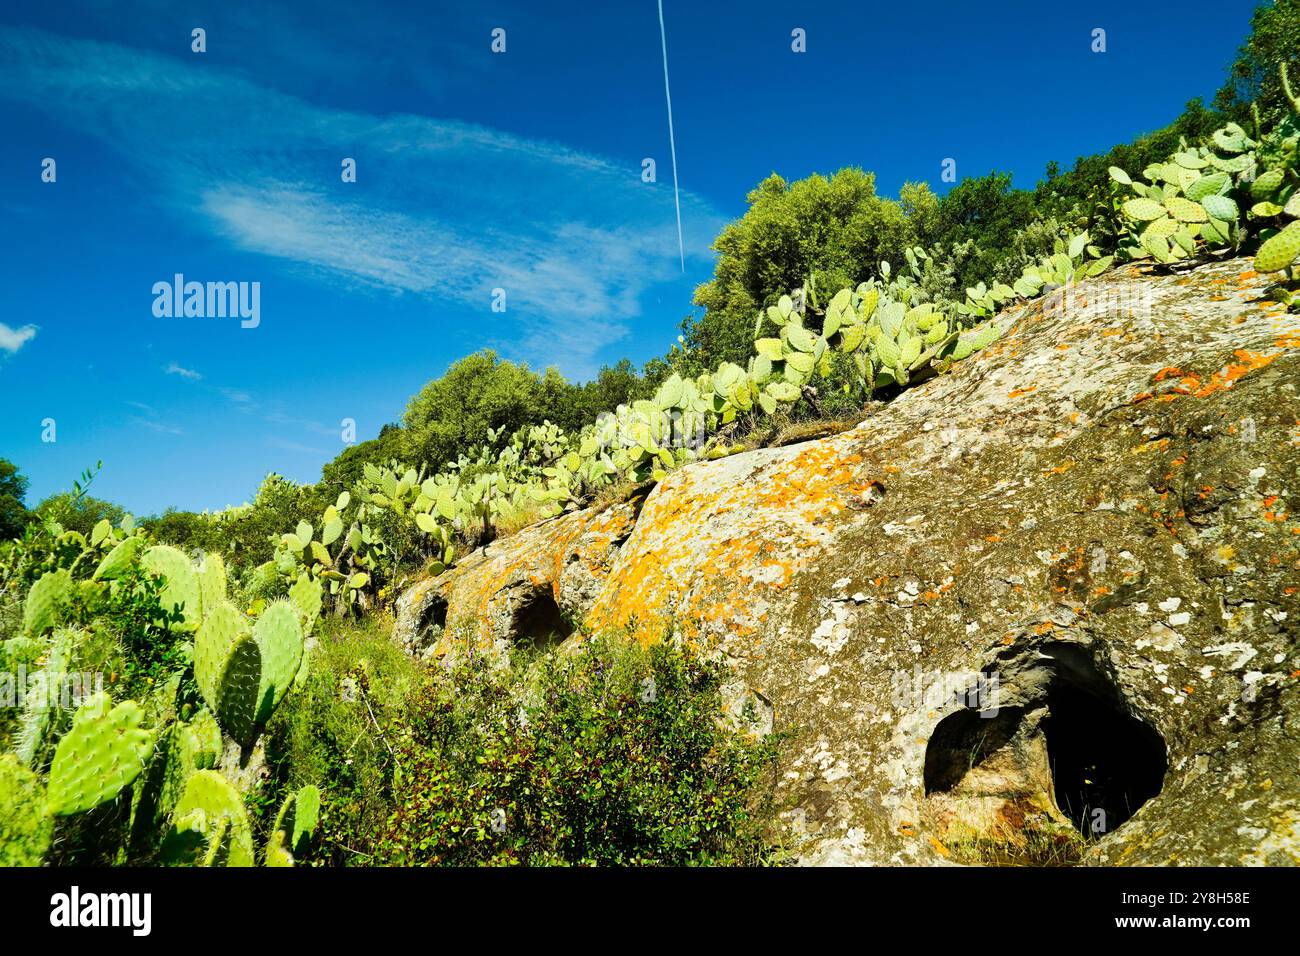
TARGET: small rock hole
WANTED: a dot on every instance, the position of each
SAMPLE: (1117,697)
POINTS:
(1056,762)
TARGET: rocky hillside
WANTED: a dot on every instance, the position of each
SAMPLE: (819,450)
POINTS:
(1057,586)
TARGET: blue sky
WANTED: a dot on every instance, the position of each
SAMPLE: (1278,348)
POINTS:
(475,171)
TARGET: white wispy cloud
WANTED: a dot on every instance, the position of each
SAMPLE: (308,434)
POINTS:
(238,397)
(11,340)
(161,428)
(174,369)
(244,402)
(148,418)
(444,209)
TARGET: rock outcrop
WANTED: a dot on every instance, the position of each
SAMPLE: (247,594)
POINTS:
(533,586)
(1056,587)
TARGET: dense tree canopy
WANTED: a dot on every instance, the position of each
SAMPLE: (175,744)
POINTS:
(836,230)
(78,512)
(13,489)
(477,393)
(1253,77)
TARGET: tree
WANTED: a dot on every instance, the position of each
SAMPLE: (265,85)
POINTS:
(836,230)
(613,386)
(1253,77)
(248,537)
(13,489)
(186,530)
(78,511)
(480,392)
(346,469)
(988,212)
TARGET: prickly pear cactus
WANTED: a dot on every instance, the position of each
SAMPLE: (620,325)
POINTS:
(25,827)
(41,704)
(305,816)
(210,806)
(212,582)
(190,747)
(305,596)
(222,627)
(207,740)
(279,639)
(276,853)
(40,611)
(104,751)
(190,839)
(182,587)
(1279,251)
(220,844)
(293,826)
(119,559)
(238,699)
(256,669)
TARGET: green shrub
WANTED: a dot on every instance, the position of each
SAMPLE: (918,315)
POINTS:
(336,732)
(609,755)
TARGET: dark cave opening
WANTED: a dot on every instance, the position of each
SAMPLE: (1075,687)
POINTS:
(538,622)
(1059,750)
(1105,763)
(433,619)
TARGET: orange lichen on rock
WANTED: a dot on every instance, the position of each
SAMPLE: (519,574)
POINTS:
(778,512)
(1232,373)
(1192,384)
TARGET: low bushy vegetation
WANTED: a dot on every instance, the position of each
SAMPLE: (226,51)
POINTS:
(606,753)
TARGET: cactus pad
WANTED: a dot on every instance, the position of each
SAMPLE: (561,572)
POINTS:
(1184,210)
(119,559)
(237,699)
(305,596)
(279,638)
(189,747)
(182,587)
(104,751)
(207,736)
(25,827)
(258,671)
(1267,184)
(1220,207)
(276,853)
(306,814)
(1143,210)
(1279,251)
(1210,185)
(222,627)
(40,612)
(212,582)
(212,807)
(296,821)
